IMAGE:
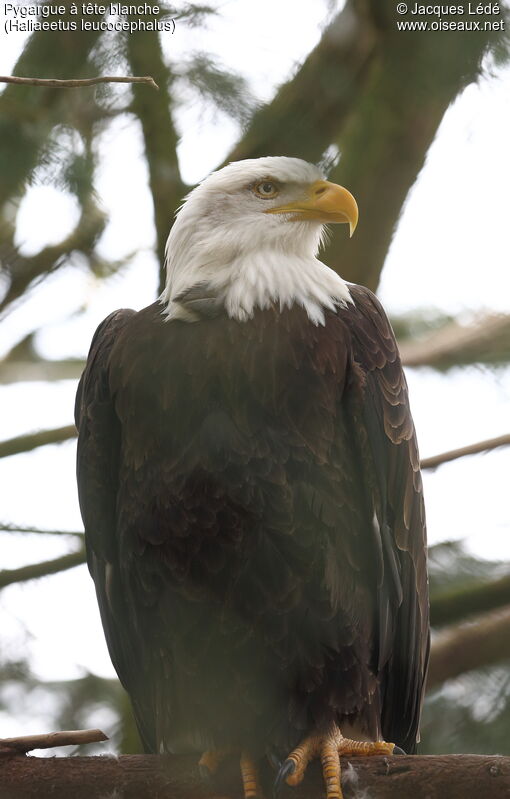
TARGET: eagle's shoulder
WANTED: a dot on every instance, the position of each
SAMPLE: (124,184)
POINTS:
(372,335)
(93,381)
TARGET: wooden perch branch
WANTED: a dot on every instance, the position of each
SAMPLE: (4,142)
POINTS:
(75,83)
(471,449)
(25,443)
(176,777)
(48,740)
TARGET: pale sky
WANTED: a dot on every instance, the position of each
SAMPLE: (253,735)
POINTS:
(450,252)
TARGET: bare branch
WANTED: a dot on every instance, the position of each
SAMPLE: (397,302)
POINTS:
(25,443)
(48,740)
(481,642)
(43,569)
(72,83)
(177,777)
(14,528)
(470,449)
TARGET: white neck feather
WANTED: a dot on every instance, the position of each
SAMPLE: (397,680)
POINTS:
(266,278)
(247,263)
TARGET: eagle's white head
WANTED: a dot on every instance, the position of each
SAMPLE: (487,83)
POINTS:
(247,237)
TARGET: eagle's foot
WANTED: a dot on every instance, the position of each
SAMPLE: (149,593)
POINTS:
(211,760)
(250,777)
(328,747)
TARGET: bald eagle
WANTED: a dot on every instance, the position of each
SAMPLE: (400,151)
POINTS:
(250,488)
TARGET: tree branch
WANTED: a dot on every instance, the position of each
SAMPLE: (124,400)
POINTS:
(485,341)
(26,743)
(25,443)
(27,113)
(177,777)
(160,137)
(451,606)
(481,642)
(43,569)
(13,528)
(384,141)
(29,441)
(73,83)
(17,370)
(304,117)
(352,92)
(23,272)
(471,449)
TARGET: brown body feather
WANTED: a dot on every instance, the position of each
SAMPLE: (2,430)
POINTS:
(255,527)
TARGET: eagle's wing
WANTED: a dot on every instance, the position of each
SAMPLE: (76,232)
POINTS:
(97,473)
(389,450)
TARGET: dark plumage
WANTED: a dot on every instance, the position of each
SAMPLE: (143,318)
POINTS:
(250,488)
(254,519)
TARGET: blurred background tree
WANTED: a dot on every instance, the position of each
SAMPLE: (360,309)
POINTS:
(366,102)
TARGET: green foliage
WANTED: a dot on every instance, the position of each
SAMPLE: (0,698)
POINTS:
(84,703)
(472,712)
(469,715)
(195,15)
(222,88)
(414,326)
(451,567)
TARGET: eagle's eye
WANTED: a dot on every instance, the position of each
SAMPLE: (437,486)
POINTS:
(266,189)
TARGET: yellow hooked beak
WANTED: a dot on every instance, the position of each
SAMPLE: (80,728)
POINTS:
(324,202)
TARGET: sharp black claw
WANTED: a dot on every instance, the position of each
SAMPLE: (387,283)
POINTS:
(274,760)
(398,751)
(205,775)
(287,767)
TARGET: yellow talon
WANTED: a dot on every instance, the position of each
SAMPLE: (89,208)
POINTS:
(329,747)
(212,758)
(250,776)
